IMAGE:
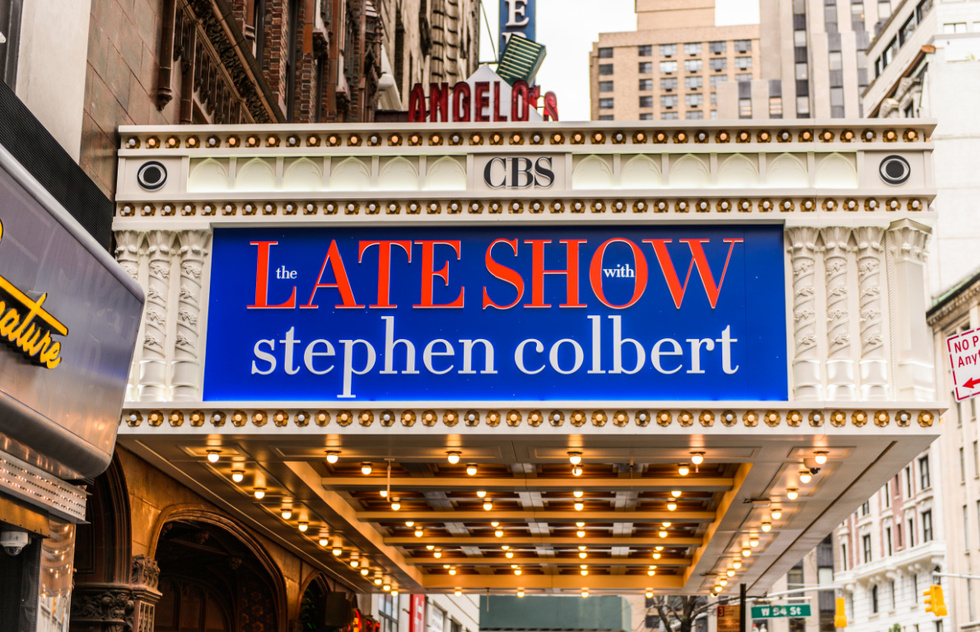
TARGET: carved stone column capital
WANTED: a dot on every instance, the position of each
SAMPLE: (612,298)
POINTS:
(907,240)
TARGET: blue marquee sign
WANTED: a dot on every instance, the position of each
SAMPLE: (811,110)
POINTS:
(516,16)
(585,313)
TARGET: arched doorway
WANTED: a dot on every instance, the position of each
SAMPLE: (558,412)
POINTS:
(211,580)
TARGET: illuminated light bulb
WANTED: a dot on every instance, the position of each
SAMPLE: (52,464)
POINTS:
(418,533)
(458,592)
(697,458)
(337,551)
(513,565)
(651,572)
(820,458)
(671,506)
(238,476)
(494,524)
(584,571)
(324,542)
(430,546)
(576,470)
(445,566)
(578,493)
(683,469)
(585,593)
(332,456)
(499,533)
(658,548)
(384,493)
(471,469)
(395,505)
(574,457)
(580,534)
(676,493)
(487,505)
(354,563)
(580,524)
(737,564)
(377,582)
(509,554)
(520,593)
(649,594)
(504,547)
(387,587)
(663,534)
(259,493)
(792,494)
(365,468)
(452,456)
(805,476)
(481,494)
(579,506)
(583,555)
(666,525)
(581,548)
(776,514)
(754,541)
(717,589)
(766,527)
(452,571)
(656,555)
(730,572)
(723,582)
(213,456)
(517,571)
(303,526)
(364,572)
(437,554)
(746,552)
(286,514)
(409,523)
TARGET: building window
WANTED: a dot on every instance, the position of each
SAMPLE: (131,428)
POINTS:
(717,48)
(954,27)
(388,613)
(927,525)
(908,481)
(605,53)
(668,50)
(891,592)
(714,80)
(692,48)
(888,540)
(668,67)
(924,473)
(694,115)
(646,67)
(976,460)
(743,46)
(962,465)
(646,102)
(10,11)
(693,100)
(646,116)
(669,116)
(843,556)
(606,117)
(646,84)
(693,83)
(898,535)
(668,83)
(606,86)
(865,508)
(743,76)
(718,63)
(744,108)
(887,491)
(605,69)
(911,532)
(668,100)
(714,98)
(874,599)
(966,528)
(834,60)
(645,50)
(743,63)
(692,65)
(915,588)
(978,519)
(803,107)
(714,115)
(866,547)
(799,38)
(606,103)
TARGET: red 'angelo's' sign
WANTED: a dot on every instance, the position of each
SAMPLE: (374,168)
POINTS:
(462,103)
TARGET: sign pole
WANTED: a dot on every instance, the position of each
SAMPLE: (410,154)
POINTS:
(741,607)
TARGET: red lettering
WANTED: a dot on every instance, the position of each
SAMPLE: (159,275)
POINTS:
(461,102)
(497,114)
(538,272)
(262,279)
(340,275)
(429,273)
(519,94)
(503,273)
(439,102)
(481,100)
(533,94)
(639,283)
(384,267)
(416,104)
(550,106)
(697,259)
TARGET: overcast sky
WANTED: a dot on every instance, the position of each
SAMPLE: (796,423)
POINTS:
(569,27)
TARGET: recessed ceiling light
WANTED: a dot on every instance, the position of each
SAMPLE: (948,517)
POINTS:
(776,513)
(580,534)
(574,457)
(481,494)
(656,555)
(683,469)
(754,541)
(671,506)
(430,546)
(509,554)
(324,542)
(663,534)
(520,593)
(213,456)
(487,505)
(287,513)
(259,493)
(805,476)
(820,457)
(697,458)
(730,572)
(238,476)
(576,470)
(792,494)
(453,456)
(579,506)
(766,527)
(365,468)
(471,469)
(303,526)
(337,551)
(578,493)
(418,533)
(395,505)
(333,456)
(676,493)
(499,533)
(746,552)
(409,523)
(579,524)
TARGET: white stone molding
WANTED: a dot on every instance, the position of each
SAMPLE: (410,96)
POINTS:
(874,362)
(130,252)
(911,340)
(801,243)
(153,363)
(185,377)
(840,364)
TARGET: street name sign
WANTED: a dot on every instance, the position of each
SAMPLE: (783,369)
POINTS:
(777,612)
(964,360)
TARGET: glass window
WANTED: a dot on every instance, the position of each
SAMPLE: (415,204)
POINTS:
(843,556)
(744,108)
(837,97)
(884,9)
(646,84)
(717,48)
(976,460)
(646,116)
(693,100)
(692,65)
(962,465)
(668,100)
(646,102)
(668,66)
(669,116)
(927,525)
(694,115)
(954,27)
(714,80)
(907,29)
(966,528)
(743,76)
(803,107)
(606,104)
(645,50)
(606,86)
(834,60)
(799,38)
(668,83)
(718,63)
(605,69)
(714,115)
(865,508)
(743,46)
(887,493)
(605,53)
(692,48)
(924,482)
(606,117)
(668,50)
(743,63)
(693,83)
(911,532)
(908,481)
(714,98)
(888,540)
(866,547)
(646,67)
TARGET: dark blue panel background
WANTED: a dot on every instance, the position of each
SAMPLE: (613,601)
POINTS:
(752,303)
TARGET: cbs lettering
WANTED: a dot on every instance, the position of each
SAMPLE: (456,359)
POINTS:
(519,172)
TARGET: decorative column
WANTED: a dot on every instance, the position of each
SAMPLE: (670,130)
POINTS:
(118,607)
(914,377)
(153,362)
(874,361)
(128,255)
(185,381)
(840,365)
(801,244)
(145,579)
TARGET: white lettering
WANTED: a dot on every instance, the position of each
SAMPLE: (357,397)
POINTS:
(468,356)
(696,345)
(517,8)
(553,356)
(618,342)
(726,341)
(519,355)
(447,350)
(596,345)
(390,343)
(264,356)
(349,370)
(312,353)
(290,342)
(655,354)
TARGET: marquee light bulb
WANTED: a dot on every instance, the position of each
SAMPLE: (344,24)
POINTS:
(517,571)
(377,582)
(384,493)
(364,572)
(437,554)
(584,571)
(365,468)
(387,587)
(578,493)
(676,493)
(453,457)
(579,506)
(730,572)
(746,552)
(287,514)
(697,458)
(337,552)
(324,542)
(458,592)
(754,541)
(303,526)
(671,506)
(499,533)
(766,527)
(520,593)
(663,534)
(683,469)
(418,533)
(776,513)
(430,546)
(820,457)
(509,555)
(585,593)
(583,555)
(409,523)
(805,476)
(666,525)
(487,505)
(452,571)
(649,594)
(395,505)
(213,456)
(259,493)
(481,494)
(332,456)
(579,524)
(471,469)
(737,564)
(656,555)
(494,524)
(238,476)
(792,494)
(580,534)
(574,457)
(576,470)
